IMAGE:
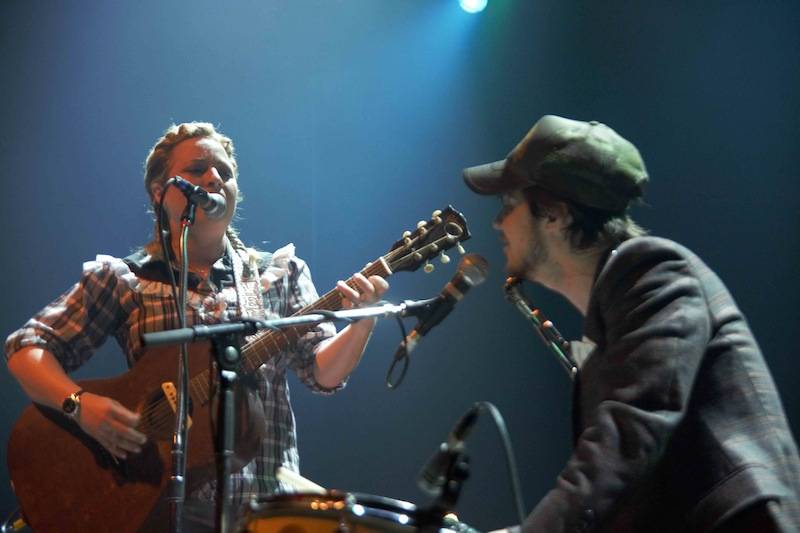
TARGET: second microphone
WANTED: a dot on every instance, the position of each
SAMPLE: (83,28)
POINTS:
(472,271)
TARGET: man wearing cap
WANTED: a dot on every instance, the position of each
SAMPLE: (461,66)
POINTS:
(677,423)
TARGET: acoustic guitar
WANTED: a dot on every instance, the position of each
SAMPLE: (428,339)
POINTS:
(66,482)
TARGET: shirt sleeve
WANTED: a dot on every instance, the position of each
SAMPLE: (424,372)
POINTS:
(74,325)
(634,391)
(300,292)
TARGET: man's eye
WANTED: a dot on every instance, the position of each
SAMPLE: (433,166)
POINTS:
(503,213)
(196,170)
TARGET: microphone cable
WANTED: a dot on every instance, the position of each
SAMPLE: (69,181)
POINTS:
(511,462)
(400,355)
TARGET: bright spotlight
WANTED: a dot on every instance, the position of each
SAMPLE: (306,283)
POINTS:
(473,6)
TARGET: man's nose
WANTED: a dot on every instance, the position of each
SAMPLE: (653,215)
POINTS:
(498,220)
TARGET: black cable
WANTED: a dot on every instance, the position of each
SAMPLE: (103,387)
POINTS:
(166,250)
(401,355)
(511,462)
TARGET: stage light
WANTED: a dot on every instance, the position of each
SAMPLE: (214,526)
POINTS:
(473,6)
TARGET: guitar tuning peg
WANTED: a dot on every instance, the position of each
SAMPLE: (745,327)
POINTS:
(421,224)
(460,249)
(428,268)
(444,258)
(436,216)
(406,234)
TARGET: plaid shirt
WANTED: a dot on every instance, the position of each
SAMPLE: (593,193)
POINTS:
(126,298)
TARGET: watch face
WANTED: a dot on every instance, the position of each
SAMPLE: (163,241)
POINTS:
(69,406)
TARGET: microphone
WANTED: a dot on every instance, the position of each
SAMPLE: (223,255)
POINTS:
(212,203)
(434,474)
(472,270)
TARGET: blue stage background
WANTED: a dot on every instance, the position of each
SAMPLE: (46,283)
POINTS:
(352,121)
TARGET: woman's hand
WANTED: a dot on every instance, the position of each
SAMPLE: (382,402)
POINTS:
(369,290)
(111,424)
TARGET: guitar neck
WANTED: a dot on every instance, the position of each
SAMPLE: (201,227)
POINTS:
(446,229)
(267,343)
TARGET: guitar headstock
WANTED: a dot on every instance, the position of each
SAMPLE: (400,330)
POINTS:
(432,238)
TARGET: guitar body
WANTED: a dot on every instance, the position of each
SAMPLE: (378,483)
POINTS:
(65,481)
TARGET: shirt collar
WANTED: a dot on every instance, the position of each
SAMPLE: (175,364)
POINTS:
(154,268)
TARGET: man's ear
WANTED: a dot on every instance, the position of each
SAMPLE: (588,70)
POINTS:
(559,215)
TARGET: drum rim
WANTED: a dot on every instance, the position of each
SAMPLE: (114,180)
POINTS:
(374,507)
(384,501)
(371,505)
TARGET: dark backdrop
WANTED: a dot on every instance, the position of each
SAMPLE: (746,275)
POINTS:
(353,120)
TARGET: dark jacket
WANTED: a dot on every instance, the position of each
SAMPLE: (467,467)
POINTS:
(677,421)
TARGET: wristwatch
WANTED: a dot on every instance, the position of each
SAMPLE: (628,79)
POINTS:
(72,404)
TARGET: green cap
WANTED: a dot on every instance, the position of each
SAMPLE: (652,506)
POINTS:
(584,162)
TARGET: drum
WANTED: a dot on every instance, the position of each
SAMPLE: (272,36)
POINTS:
(339,512)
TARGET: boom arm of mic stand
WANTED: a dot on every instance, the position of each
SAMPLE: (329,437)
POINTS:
(249,326)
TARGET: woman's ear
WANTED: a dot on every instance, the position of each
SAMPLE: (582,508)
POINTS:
(155,193)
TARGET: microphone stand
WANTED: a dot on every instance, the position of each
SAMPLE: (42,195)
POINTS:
(226,343)
(227,354)
(177,482)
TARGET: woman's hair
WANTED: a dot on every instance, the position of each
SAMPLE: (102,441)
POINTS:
(158,162)
(590,227)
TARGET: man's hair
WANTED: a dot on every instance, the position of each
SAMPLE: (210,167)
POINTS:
(590,227)
(158,162)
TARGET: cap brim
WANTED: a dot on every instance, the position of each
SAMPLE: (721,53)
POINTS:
(493,178)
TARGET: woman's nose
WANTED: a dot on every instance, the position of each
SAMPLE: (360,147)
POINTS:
(213,181)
